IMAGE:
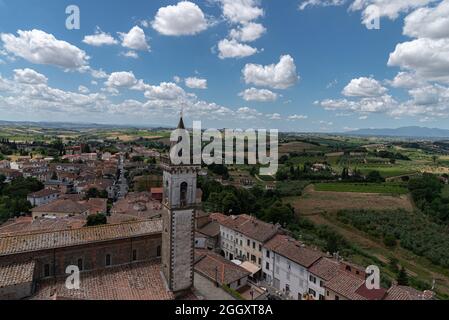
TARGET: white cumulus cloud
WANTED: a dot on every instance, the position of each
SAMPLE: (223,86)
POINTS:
(373,9)
(184,18)
(429,22)
(364,87)
(278,76)
(241,11)
(320,3)
(260,95)
(123,79)
(135,39)
(297,117)
(39,47)
(196,83)
(99,39)
(29,76)
(428,58)
(248,32)
(233,49)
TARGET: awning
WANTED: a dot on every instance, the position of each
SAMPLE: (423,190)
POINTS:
(250,267)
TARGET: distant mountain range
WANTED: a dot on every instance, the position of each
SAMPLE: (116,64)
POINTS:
(416,132)
(412,132)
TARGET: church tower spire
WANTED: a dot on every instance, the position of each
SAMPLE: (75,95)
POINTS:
(178,237)
(181,121)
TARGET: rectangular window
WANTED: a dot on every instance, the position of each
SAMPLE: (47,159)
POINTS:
(46,270)
(312,292)
(267,266)
(312,279)
(134,255)
(254,245)
(268,254)
(253,258)
(321,297)
(108,260)
(260,261)
(260,248)
(80,264)
(337,298)
(249,243)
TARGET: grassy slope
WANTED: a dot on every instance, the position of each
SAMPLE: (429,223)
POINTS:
(362,187)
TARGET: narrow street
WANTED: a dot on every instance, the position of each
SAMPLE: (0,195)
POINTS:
(122,183)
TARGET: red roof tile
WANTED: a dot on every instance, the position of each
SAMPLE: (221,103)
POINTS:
(293,250)
(140,281)
(55,239)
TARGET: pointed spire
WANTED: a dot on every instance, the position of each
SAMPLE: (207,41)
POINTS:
(181,121)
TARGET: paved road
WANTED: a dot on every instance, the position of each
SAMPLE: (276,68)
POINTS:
(122,183)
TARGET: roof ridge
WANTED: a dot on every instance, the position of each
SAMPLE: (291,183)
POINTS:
(77,229)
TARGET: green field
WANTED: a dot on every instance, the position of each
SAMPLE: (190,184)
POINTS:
(388,172)
(445,192)
(390,188)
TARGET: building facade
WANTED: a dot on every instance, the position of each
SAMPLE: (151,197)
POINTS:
(285,266)
(243,237)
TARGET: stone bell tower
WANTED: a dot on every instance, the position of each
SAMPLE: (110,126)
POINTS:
(178,237)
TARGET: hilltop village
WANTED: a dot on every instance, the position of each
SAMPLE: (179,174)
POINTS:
(139,227)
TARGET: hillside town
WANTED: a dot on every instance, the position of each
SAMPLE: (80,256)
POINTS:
(154,240)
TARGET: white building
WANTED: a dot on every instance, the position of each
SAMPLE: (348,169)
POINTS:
(242,237)
(43,197)
(285,265)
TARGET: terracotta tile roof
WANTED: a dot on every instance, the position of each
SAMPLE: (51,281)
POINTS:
(28,224)
(43,193)
(218,217)
(215,267)
(62,206)
(139,281)
(97,205)
(139,205)
(293,250)
(17,273)
(251,227)
(373,294)
(345,284)
(325,268)
(55,239)
(403,293)
(212,229)
(74,197)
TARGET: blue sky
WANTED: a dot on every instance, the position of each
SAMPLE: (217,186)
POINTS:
(315,67)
